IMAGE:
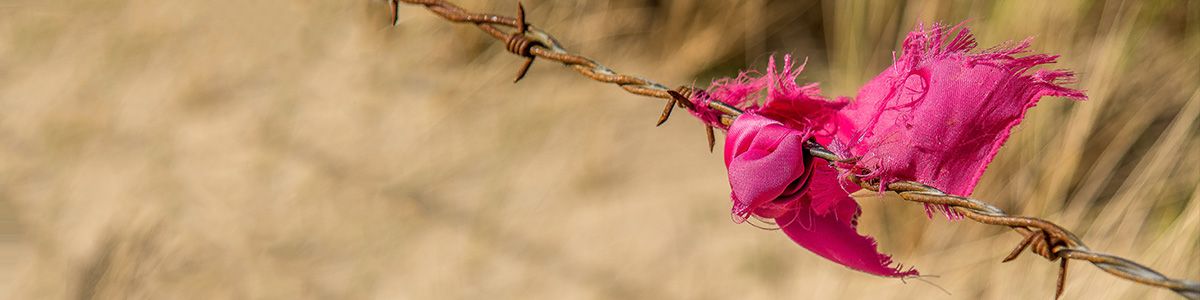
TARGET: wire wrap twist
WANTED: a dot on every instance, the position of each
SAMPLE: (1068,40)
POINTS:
(1041,237)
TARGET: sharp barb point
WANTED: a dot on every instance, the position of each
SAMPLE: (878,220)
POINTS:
(395,5)
(521,25)
(1062,278)
(712,138)
(1020,248)
(524,69)
(666,113)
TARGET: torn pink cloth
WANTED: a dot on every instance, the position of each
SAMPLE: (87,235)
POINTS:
(940,114)
(772,176)
(937,116)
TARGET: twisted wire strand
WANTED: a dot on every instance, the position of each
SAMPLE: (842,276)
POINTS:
(1041,237)
(1055,241)
(549,48)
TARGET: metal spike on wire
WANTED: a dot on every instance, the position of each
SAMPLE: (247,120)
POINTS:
(1041,237)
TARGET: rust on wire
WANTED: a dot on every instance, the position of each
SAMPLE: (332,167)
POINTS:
(1041,237)
(520,45)
(682,96)
(543,45)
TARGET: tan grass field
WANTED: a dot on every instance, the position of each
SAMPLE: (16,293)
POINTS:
(306,150)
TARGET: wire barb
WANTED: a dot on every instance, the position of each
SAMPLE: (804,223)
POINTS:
(677,98)
(712,138)
(1040,236)
(395,8)
(1045,245)
(520,45)
(683,98)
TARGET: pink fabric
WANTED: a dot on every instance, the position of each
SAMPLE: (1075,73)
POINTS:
(786,100)
(764,150)
(937,116)
(826,223)
(940,114)
(771,175)
(768,167)
(700,109)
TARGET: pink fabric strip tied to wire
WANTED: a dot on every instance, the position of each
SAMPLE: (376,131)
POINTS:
(976,97)
(938,115)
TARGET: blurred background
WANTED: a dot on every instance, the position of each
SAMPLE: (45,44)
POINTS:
(307,150)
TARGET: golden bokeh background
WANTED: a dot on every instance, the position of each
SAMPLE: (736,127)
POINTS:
(306,150)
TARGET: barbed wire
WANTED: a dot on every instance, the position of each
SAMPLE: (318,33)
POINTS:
(1041,237)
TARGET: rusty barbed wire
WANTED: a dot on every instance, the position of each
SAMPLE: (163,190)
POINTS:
(1041,237)
(543,45)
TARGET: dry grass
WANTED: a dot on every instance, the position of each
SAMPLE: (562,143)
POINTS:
(303,149)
